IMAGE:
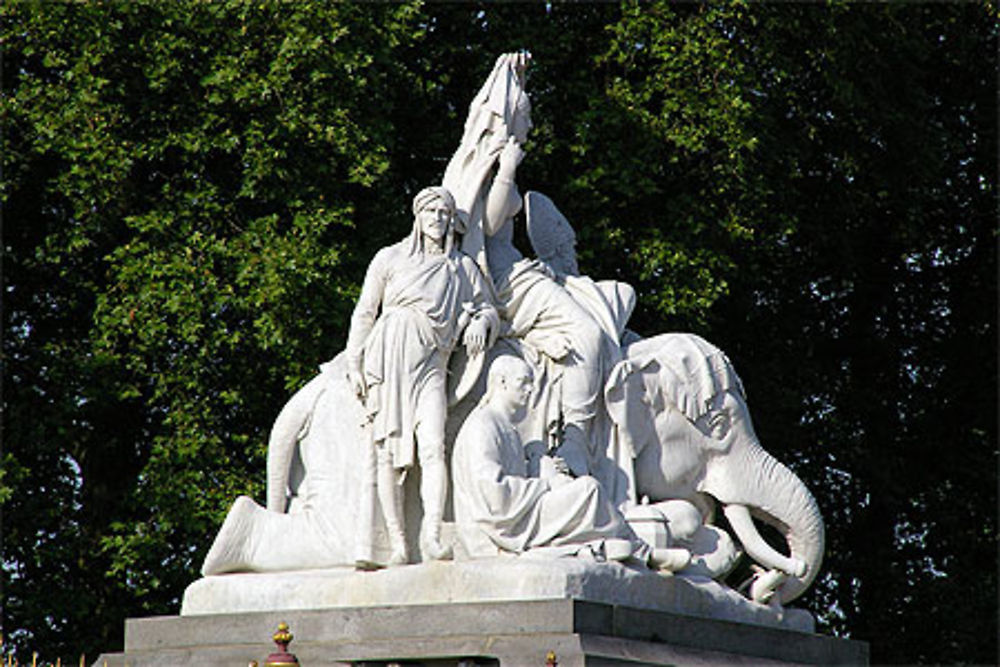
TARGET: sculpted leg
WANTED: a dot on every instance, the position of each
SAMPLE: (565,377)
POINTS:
(233,548)
(254,539)
(433,473)
(581,387)
(390,496)
(433,490)
(364,556)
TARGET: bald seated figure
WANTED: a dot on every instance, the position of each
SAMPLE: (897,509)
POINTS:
(499,508)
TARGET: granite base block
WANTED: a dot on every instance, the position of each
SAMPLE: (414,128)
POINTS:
(483,633)
(486,580)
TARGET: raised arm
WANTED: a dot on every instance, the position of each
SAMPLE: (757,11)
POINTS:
(503,199)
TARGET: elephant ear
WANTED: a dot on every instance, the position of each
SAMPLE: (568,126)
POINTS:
(616,391)
(628,403)
(694,373)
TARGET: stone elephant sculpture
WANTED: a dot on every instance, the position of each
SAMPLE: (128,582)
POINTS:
(679,427)
(684,432)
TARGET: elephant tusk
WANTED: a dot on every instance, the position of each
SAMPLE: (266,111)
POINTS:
(755,546)
(765,584)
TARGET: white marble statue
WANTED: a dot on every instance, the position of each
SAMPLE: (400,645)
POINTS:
(419,297)
(681,416)
(536,309)
(500,508)
(654,430)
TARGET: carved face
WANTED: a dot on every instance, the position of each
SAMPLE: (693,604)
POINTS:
(435,220)
(512,388)
(516,388)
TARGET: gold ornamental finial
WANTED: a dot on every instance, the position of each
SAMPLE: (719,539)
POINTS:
(281,657)
(282,636)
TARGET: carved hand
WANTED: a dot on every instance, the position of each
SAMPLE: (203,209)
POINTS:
(521,61)
(560,465)
(475,336)
(356,381)
(555,347)
(510,158)
(551,467)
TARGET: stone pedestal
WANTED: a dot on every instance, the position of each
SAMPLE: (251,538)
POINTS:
(508,612)
(505,633)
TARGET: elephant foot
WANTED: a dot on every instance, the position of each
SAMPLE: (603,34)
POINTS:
(713,553)
(233,546)
(669,559)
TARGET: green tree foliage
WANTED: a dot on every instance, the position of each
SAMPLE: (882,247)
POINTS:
(880,127)
(184,189)
(191,193)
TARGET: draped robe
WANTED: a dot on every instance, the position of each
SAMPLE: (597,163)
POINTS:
(426,300)
(499,508)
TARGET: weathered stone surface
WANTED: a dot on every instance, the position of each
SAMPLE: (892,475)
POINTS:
(506,633)
(502,579)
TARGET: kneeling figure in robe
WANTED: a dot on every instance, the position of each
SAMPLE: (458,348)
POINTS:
(499,508)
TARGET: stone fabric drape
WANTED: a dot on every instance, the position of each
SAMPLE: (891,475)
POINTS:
(499,508)
(425,301)
(499,111)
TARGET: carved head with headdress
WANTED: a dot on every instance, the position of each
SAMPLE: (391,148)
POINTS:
(551,235)
(435,196)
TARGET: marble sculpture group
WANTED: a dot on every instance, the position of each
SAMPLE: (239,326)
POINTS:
(512,387)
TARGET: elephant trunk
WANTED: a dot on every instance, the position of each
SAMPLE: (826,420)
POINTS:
(754,483)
